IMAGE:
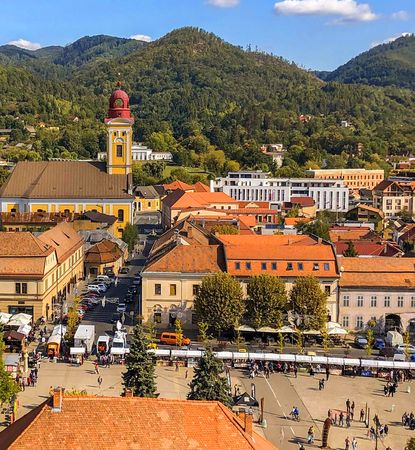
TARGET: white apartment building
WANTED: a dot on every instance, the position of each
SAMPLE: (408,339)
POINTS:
(141,152)
(330,195)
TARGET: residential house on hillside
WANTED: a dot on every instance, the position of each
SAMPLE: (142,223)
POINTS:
(367,214)
(380,289)
(146,199)
(354,179)
(36,273)
(394,196)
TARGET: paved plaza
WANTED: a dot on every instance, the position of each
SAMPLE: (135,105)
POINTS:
(281,392)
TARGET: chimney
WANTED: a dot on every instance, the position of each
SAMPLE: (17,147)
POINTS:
(246,415)
(57,399)
(129,393)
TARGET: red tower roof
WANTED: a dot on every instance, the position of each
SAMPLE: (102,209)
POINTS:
(119,105)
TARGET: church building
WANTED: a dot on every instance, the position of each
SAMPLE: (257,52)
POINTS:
(80,186)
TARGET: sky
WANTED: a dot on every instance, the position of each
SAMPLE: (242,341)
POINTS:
(315,34)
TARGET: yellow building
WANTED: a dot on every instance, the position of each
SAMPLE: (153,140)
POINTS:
(37,273)
(354,179)
(146,199)
(79,186)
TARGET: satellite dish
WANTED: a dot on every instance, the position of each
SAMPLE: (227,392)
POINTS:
(119,325)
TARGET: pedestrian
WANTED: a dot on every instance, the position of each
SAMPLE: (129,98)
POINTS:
(335,419)
(186,374)
(385,389)
(341,419)
(177,366)
(386,429)
(327,373)
(310,435)
(295,371)
(354,444)
(348,421)
(99,381)
(348,406)
(347,443)
(362,415)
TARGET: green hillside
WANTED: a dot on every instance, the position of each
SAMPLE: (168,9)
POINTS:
(206,100)
(390,64)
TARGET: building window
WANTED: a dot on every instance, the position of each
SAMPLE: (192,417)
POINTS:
(274,266)
(238,266)
(400,301)
(345,322)
(300,266)
(119,151)
(346,300)
(360,301)
(263,266)
(412,302)
(173,289)
(289,266)
(21,288)
(373,301)
(157,317)
(148,204)
(327,290)
(157,289)
(120,215)
(316,266)
(359,322)
(248,266)
(196,289)
(387,301)
(326,266)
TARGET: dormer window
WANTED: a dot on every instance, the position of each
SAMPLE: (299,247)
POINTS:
(289,266)
(274,266)
(316,266)
(326,266)
(248,265)
(300,266)
(263,266)
(238,266)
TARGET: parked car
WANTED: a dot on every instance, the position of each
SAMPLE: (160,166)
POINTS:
(94,288)
(360,342)
(171,339)
(379,344)
(105,279)
(403,348)
(121,307)
(124,270)
(101,286)
(128,298)
(115,317)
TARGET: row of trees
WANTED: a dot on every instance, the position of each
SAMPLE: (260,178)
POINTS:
(220,302)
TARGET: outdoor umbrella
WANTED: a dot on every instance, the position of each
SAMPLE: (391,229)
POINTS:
(337,331)
(16,322)
(25,318)
(312,332)
(285,329)
(4,318)
(267,330)
(245,328)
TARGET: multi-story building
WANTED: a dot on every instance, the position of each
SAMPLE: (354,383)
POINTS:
(79,186)
(354,179)
(185,254)
(37,273)
(380,289)
(331,195)
(394,196)
(146,199)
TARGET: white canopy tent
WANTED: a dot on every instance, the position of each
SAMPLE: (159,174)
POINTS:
(267,330)
(246,328)
(4,318)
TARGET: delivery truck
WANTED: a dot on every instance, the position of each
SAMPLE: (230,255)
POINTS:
(85,337)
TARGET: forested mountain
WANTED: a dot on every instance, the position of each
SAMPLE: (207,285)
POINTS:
(391,64)
(204,99)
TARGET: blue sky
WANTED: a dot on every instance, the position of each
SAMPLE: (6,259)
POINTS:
(316,34)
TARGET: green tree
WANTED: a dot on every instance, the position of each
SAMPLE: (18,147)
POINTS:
(410,445)
(219,301)
(208,382)
(267,299)
(370,337)
(350,250)
(4,174)
(130,236)
(154,169)
(280,340)
(299,340)
(309,301)
(179,332)
(225,229)
(140,375)
(8,387)
(319,228)
(203,332)
(73,321)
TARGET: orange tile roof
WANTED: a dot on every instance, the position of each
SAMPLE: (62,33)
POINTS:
(377,272)
(257,249)
(103,252)
(292,221)
(200,187)
(178,185)
(131,423)
(64,239)
(197,199)
(348,235)
(370,248)
(253,204)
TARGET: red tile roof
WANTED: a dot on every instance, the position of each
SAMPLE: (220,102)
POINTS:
(292,221)
(181,200)
(377,272)
(200,187)
(131,423)
(103,252)
(64,239)
(178,185)
(369,248)
(303,201)
(257,249)
(253,204)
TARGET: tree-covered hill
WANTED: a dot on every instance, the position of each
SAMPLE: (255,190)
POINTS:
(205,100)
(391,64)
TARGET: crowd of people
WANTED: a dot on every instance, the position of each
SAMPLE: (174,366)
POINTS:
(408,420)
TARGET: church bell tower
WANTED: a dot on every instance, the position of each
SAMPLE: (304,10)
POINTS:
(119,133)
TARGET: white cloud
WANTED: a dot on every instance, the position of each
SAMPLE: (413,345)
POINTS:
(224,3)
(141,37)
(390,39)
(400,15)
(344,10)
(23,43)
